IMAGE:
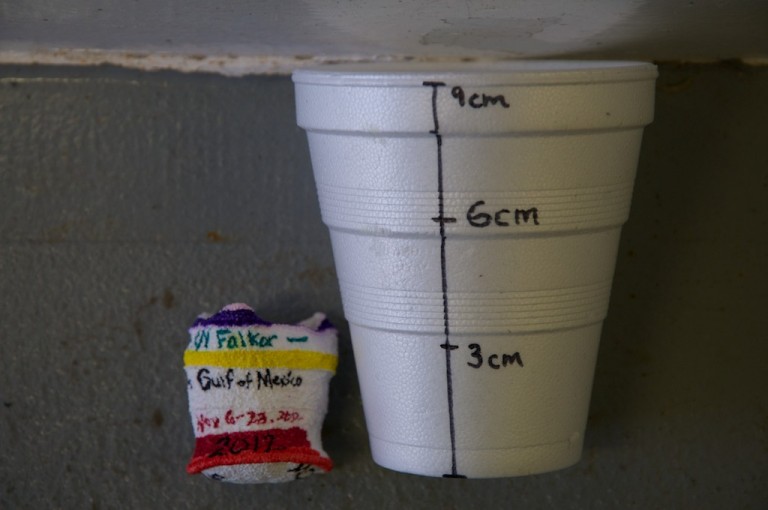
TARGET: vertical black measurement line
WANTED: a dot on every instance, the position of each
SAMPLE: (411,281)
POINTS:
(441,220)
(434,85)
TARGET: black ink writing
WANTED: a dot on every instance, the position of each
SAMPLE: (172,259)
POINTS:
(233,445)
(482,219)
(229,379)
(208,381)
(478,100)
(246,381)
(441,220)
(265,379)
(494,361)
(525,214)
(302,471)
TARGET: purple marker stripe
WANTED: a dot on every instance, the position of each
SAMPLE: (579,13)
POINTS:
(326,324)
(240,317)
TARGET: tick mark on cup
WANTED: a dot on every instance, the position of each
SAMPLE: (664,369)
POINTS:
(443,220)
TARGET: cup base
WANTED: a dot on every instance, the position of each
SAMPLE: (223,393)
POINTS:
(521,461)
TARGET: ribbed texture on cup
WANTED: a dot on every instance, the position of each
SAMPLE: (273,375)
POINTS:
(475,246)
(411,212)
(521,311)
(402,154)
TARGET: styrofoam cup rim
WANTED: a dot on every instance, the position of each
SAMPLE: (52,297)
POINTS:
(508,72)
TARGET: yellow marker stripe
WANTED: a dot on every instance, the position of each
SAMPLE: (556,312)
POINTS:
(306,360)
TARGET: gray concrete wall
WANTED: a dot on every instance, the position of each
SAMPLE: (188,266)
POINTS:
(130,202)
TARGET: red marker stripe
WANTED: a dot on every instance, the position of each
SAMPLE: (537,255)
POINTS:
(273,445)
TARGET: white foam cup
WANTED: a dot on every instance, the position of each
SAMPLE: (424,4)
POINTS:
(475,213)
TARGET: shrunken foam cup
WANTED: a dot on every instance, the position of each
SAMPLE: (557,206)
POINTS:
(475,213)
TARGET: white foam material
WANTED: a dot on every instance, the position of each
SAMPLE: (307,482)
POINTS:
(258,394)
(475,215)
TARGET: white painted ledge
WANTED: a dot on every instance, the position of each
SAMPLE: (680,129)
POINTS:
(239,37)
